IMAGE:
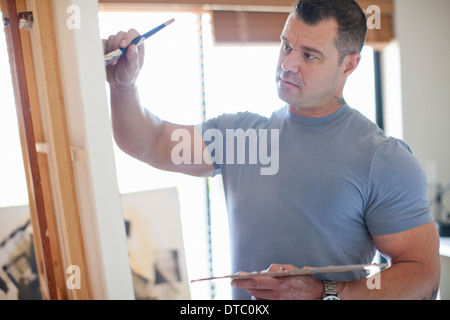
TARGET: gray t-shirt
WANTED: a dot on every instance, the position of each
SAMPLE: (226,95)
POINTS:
(338,181)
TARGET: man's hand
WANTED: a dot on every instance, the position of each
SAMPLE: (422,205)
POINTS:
(284,288)
(125,70)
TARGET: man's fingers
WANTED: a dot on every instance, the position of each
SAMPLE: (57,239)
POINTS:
(256,283)
(132,52)
(122,40)
(262,288)
(263,282)
(133,57)
(128,38)
(116,40)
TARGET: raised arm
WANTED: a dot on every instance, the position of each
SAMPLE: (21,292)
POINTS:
(137,131)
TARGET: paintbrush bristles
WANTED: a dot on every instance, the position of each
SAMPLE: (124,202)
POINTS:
(112,55)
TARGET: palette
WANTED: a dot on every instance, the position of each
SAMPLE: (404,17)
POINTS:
(299,272)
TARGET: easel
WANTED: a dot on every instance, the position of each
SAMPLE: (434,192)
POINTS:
(46,150)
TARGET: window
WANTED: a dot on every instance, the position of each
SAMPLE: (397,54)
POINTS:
(170,87)
(13,185)
(360,88)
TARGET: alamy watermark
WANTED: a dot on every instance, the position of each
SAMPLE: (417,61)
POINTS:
(236,146)
(73,281)
(74,20)
(374,282)
(374,21)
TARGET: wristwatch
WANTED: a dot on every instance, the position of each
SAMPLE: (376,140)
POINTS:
(330,292)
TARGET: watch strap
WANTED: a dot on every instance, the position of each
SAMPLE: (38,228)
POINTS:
(330,289)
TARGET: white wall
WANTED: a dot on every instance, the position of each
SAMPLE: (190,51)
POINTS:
(392,91)
(422,30)
(83,77)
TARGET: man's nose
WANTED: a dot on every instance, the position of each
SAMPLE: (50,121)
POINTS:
(291,63)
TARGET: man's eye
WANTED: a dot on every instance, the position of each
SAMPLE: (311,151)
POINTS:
(309,56)
(286,47)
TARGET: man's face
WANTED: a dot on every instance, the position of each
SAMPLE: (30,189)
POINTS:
(308,70)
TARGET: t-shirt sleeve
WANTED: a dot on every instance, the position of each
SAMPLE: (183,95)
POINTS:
(398,197)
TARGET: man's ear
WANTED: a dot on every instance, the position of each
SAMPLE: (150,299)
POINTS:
(350,64)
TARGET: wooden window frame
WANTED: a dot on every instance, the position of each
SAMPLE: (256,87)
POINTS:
(244,22)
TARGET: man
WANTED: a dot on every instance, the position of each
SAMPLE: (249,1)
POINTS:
(341,190)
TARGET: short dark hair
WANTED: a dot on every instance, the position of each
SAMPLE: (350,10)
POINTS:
(349,15)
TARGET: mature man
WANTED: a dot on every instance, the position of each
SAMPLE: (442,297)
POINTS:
(342,189)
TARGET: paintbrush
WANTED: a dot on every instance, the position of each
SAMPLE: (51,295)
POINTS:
(137,41)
